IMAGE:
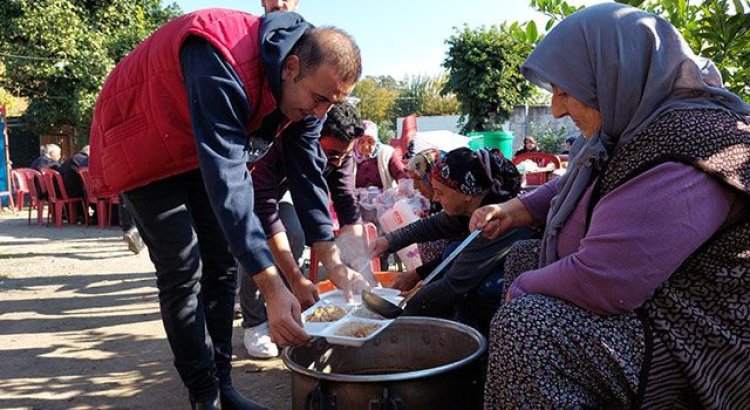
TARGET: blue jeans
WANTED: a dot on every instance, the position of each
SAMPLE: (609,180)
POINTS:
(196,276)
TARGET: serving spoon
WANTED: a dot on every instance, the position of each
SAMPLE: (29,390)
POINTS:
(388,310)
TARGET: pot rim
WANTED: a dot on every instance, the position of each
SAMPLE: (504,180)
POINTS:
(408,375)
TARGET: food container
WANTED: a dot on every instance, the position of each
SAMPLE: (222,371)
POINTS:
(416,363)
(343,323)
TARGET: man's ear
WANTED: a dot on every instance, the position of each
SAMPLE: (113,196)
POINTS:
(291,68)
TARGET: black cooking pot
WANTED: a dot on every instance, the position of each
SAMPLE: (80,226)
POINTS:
(416,363)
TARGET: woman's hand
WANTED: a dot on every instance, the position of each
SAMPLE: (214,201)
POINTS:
(406,281)
(378,247)
(494,220)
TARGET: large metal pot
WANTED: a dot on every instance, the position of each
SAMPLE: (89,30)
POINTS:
(416,363)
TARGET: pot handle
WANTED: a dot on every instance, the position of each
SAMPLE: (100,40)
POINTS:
(387,402)
(320,398)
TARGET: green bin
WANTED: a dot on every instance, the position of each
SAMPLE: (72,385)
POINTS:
(502,140)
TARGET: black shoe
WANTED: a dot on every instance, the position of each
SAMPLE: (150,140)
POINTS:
(212,404)
(231,399)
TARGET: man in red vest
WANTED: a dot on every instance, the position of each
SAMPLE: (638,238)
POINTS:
(174,127)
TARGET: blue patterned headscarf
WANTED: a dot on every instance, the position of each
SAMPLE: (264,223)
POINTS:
(632,67)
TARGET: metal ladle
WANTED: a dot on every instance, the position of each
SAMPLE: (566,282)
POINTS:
(388,310)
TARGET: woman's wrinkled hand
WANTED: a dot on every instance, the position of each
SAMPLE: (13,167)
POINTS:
(491,219)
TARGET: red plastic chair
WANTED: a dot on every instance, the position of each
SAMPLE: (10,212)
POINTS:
(371,234)
(542,160)
(20,187)
(34,179)
(103,205)
(53,181)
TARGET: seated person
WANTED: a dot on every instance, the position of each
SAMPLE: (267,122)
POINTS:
(637,296)
(285,231)
(49,158)
(378,164)
(69,171)
(418,170)
(71,178)
(529,145)
(470,290)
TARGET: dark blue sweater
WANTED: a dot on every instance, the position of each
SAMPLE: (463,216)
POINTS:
(219,110)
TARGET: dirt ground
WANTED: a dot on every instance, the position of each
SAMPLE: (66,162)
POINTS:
(80,326)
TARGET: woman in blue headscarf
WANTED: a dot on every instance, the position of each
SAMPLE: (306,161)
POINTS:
(638,294)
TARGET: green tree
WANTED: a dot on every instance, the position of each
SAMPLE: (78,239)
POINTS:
(377,97)
(716,29)
(422,95)
(57,53)
(483,71)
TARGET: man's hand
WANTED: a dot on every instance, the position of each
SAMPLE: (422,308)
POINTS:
(379,247)
(283,309)
(305,291)
(349,281)
(406,281)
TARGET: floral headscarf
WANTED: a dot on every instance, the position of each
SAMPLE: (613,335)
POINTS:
(423,162)
(477,172)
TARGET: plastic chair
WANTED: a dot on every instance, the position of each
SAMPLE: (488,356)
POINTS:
(103,206)
(20,187)
(34,180)
(542,160)
(53,181)
(371,234)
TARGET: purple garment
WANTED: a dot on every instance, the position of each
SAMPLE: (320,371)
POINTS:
(369,175)
(639,234)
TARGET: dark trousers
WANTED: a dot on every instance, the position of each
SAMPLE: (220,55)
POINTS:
(124,215)
(251,301)
(196,276)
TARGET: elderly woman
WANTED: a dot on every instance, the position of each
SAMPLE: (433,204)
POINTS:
(638,296)
(470,290)
(378,165)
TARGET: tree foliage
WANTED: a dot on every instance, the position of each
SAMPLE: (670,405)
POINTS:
(484,72)
(377,97)
(57,53)
(422,95)
(383,99)
(716,29)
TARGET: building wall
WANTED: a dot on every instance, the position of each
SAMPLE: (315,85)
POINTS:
(523,121)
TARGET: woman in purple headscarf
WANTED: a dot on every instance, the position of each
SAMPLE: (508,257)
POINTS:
(638,294)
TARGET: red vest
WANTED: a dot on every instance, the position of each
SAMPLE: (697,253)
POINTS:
(141,131)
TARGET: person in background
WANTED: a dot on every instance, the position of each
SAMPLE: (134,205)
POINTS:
(430,252)
(72,180)
(471,289)
(637,296)
(568,144)
(49,158)
(279,5)
(284,229)
(230,84)
(69,171)
(378,164)
(529,145)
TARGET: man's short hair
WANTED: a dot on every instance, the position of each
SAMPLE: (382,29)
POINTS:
(329,45)
(343,122)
